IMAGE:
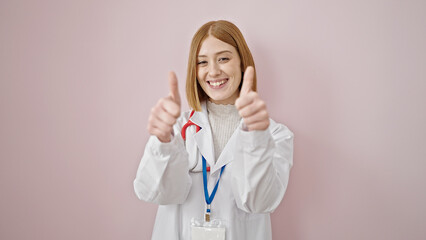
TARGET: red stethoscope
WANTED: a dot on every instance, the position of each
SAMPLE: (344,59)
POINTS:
(187,124)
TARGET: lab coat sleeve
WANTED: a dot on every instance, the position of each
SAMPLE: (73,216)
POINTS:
(261,168)
(163,176)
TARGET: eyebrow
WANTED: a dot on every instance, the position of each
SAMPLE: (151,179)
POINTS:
(224,51)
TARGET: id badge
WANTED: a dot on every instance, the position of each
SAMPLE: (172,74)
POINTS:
(213,230)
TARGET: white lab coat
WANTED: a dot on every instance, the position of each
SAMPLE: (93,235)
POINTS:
(252,185)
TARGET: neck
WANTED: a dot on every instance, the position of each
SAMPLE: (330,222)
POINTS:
(229,101)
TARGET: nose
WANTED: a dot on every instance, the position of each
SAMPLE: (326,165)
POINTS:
(214,70)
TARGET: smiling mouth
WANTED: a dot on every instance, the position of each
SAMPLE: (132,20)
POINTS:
(217,83)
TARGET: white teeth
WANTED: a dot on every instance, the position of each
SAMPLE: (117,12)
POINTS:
(215,84)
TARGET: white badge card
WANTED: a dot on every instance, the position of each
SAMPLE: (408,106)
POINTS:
(206,233)
(201,230)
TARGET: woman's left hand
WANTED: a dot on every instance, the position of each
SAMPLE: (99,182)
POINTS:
(250,107)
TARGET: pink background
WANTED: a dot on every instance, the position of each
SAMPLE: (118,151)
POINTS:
(78,79)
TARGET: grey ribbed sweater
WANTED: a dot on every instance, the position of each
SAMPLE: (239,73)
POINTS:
(224,119)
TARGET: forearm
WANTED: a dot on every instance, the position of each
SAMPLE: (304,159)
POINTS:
(162,176)
(261,170)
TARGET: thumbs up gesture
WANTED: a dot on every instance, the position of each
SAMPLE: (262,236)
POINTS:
(165,113)
(250,107)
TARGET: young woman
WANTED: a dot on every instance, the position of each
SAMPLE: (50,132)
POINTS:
(227,138)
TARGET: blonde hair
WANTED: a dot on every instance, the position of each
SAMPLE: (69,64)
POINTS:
(226,32)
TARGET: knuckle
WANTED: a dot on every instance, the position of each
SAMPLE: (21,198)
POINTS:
(166,120)
(150,120)
(175,112)
(253,94)
(242,98)
(248,120)
(164,135)
(241,113)
(161,102)
(170,129)
(152,131)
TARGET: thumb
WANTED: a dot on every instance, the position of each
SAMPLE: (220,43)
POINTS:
(248,80)
(174,89)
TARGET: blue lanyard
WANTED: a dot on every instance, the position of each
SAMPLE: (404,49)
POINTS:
(210,198)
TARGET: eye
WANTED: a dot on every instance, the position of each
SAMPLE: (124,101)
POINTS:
(203,62)
(223,59)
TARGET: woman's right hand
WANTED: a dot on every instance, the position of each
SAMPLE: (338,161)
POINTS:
(165,113)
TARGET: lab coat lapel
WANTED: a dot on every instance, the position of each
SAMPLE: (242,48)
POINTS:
(227,154)
(204,138)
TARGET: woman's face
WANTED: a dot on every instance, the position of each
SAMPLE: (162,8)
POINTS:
(219,70)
